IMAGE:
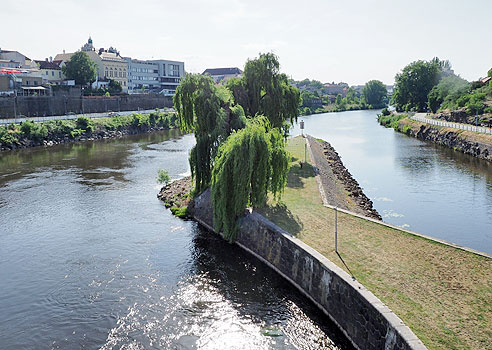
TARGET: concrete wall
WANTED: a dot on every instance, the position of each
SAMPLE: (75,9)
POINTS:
(35,106)
(362,317)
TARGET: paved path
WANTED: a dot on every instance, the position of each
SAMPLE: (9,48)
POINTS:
(421,117)
(75,116)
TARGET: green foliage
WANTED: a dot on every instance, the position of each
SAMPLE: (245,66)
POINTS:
(76,133)
(114,86)
(263,90)
(338,101)
(415,82)
(391,120)
(446,92)
(180,212)
(11,135)
(375,94)
(385,112)
(208,111)
(107,94)
(489,73)
(85,124)
(251,162)
(8,136)
(80,68)
(163,176)
(34,131)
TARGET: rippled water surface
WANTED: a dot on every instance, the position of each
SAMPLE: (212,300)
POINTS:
(89,259)
(414,184)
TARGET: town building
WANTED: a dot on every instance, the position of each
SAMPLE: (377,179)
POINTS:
(158,76)
(51,71)
(222,75)
(335,89)
(20,74)
(110,65)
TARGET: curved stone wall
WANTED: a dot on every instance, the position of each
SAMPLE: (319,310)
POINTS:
(362,317)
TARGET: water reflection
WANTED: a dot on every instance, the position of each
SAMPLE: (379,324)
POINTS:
(89,258)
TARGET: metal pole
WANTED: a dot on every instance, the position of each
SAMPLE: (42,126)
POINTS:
(305,153)
(336,230)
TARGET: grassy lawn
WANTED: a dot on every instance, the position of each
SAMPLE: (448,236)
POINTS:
(443,294)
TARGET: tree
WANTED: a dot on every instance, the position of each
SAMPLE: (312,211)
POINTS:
(449,89)
(414,83)
(208,111)
(114,86)
(251,162)
(375,94)
(263,90)
(489,73)
(80,68)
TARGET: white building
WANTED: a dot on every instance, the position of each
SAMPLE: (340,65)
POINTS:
(159,76)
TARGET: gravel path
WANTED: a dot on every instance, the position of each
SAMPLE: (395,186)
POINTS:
(341,189)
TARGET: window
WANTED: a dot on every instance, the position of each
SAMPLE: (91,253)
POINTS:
(111,73)
(52,73)
(46,72)
(59,74)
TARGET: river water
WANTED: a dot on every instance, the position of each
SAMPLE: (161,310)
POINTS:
(414,184)
(90,259)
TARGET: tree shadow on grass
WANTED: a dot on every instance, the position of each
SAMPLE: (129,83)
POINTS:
(297,173)
(283,217)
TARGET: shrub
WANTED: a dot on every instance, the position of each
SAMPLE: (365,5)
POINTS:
(76,133)
(85,124)
(163,177)
(385,112)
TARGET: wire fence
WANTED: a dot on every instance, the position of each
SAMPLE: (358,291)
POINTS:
(468,127)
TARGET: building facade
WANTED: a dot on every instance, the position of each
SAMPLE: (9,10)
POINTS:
(110,65)
(51,71)
(159,76)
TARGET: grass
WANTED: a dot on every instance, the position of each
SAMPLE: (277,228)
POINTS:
(443,294)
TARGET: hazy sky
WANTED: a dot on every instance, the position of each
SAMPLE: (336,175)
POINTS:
(352,41)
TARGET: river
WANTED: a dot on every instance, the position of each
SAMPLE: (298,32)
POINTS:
(90,259)
(414,184)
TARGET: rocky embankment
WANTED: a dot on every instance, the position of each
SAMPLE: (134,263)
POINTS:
(462,116)
(89,136)
(334,175)
(477,145)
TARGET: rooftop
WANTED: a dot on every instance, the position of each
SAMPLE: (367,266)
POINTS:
(222,71)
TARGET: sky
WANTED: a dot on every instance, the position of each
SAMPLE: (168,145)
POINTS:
(351,41)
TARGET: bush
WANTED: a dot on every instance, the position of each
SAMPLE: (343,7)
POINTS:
(76,133)
(385,112)
(85,124)
(163,177)
(34,131)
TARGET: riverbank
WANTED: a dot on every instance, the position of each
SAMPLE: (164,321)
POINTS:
(442,293)
(468,142)
(29,134)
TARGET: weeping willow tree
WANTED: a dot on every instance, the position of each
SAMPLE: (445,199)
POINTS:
(209,112)
(263,90)
(251,162)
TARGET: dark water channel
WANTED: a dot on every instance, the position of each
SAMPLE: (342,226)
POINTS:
(89,259)
(414,184)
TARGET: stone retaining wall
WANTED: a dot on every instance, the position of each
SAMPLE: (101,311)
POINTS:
(447,138)
(362,317)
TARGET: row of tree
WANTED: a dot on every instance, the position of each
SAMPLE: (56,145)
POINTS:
(240,132)
(374,95)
